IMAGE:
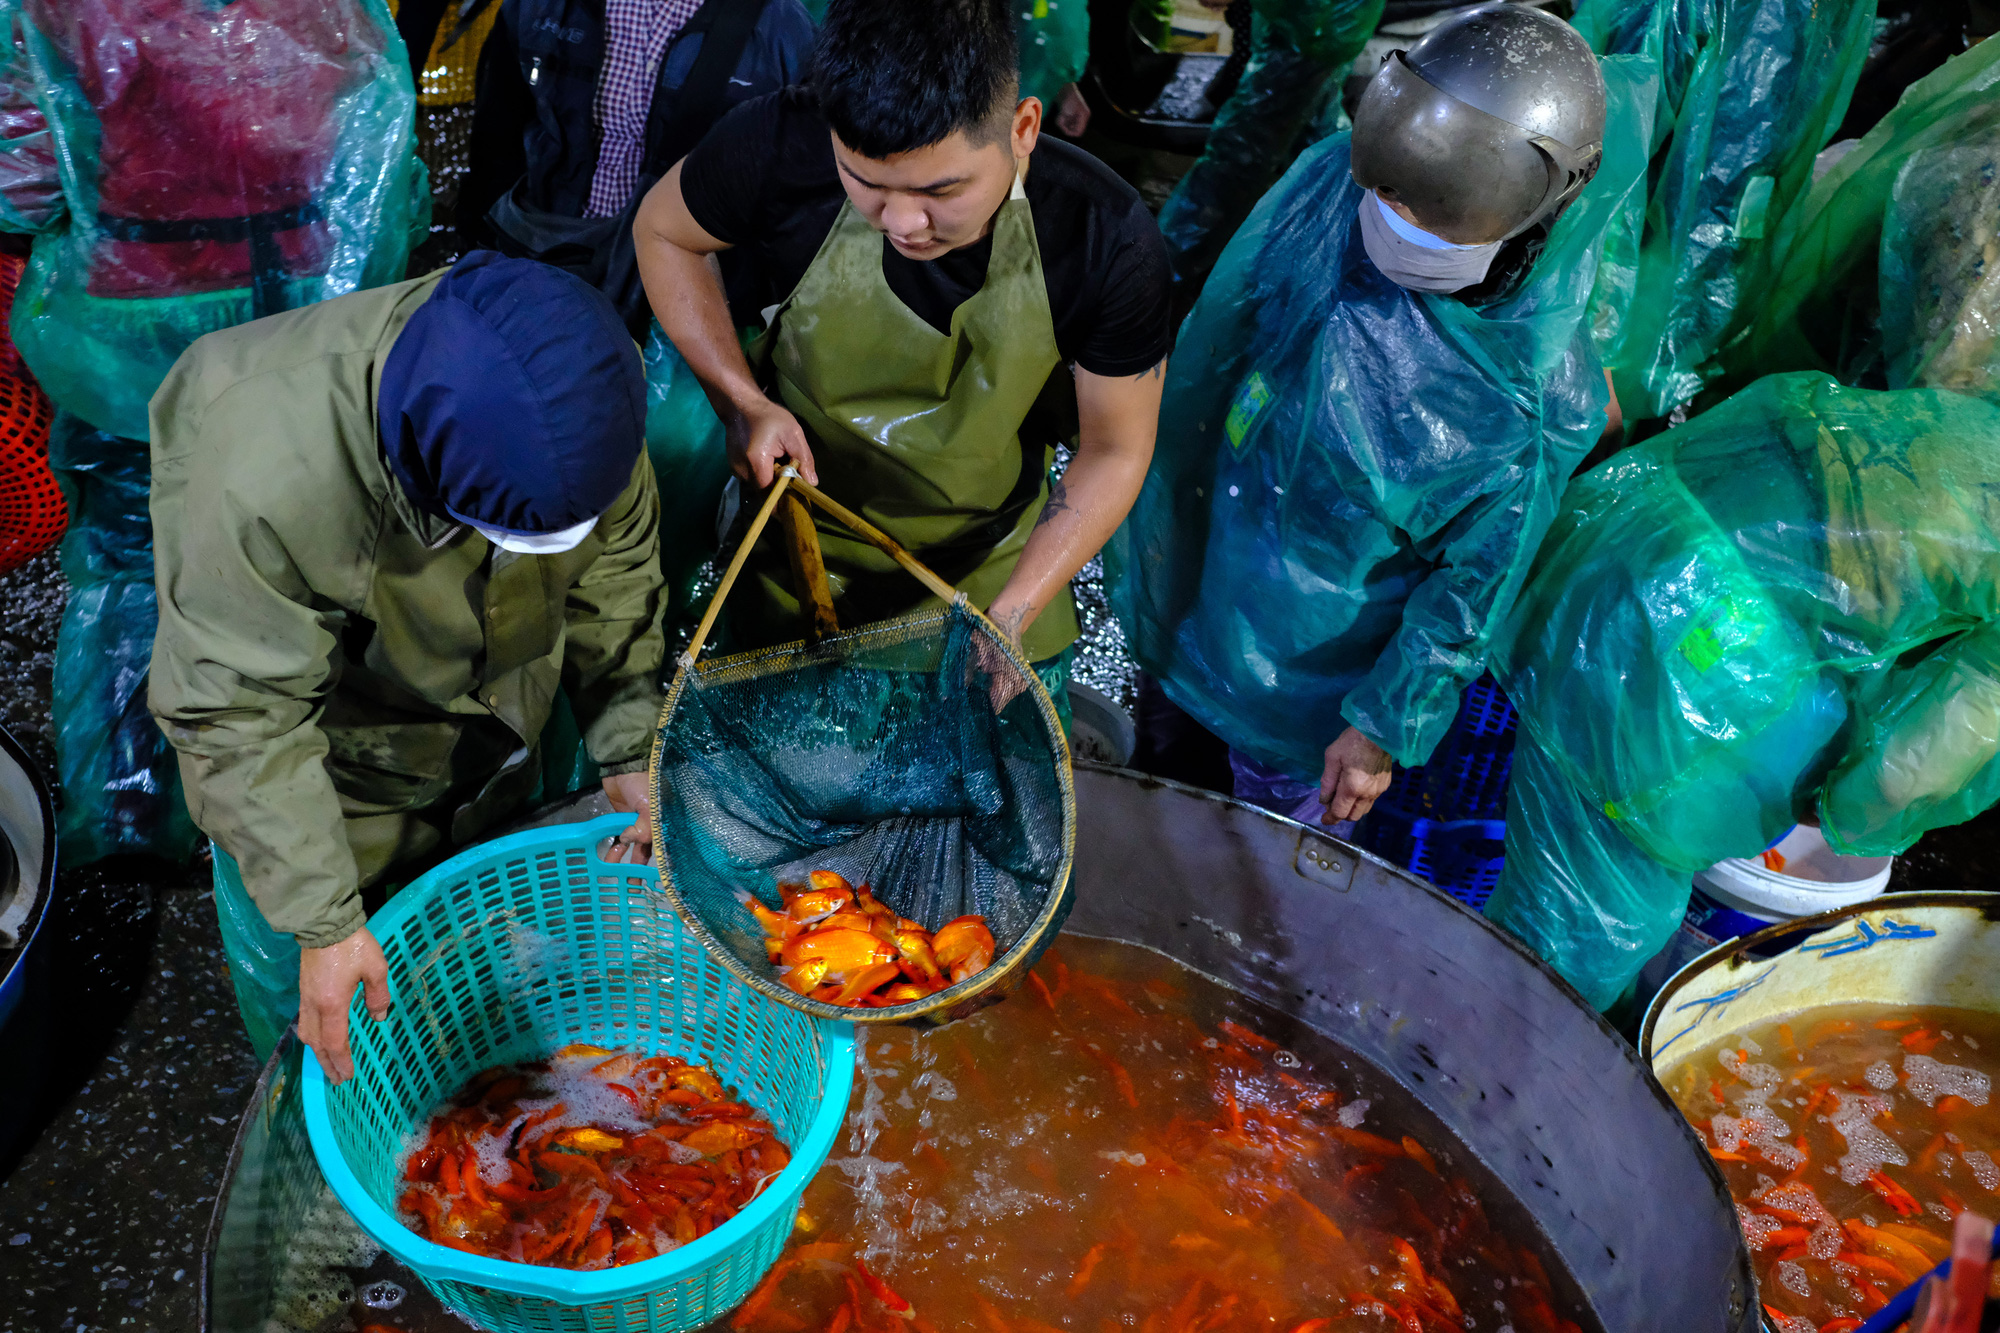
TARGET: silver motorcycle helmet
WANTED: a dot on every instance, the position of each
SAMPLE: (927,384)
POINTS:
(1489,124)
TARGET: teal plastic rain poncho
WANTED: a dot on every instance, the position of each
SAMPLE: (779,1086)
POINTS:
(1055,46)
(185,168)
(1750,90)
(1788,607)
(1351,478)
(1887,277)
(181,168)
(690,453)
(1298,51)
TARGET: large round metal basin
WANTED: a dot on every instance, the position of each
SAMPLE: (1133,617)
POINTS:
(1556,1106)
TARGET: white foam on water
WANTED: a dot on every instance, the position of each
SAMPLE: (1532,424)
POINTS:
(1793,1279)
(1791,1323)
(1129,1158)
(1983,1169)
(867,1175)
(1798,1197)
(1757,1227)
(1757,1125)
(926,1216)
(1880,1076)
(995,1200)
(586,1099)
(1352,1114)
(492,1153)
(1760,1128)
(1929,1080)
(1826,1241)
(1026,1130)
(1868,1148)
(1763,1079)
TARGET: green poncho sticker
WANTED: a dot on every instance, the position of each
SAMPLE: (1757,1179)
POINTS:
(1243,412)
(1722,628)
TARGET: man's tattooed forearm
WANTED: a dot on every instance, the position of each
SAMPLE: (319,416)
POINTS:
(1010,622)
(1058,501)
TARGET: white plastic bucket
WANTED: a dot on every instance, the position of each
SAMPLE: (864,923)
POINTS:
(1745,894)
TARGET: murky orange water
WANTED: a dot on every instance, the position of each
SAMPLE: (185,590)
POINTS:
(1850,1136)
(1127,1145)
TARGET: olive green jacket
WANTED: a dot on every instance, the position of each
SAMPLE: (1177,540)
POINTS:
(352,684)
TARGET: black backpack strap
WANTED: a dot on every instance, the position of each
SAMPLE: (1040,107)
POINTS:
(701,100)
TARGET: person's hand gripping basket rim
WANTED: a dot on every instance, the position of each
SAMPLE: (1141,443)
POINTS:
(631,794)
(328,978)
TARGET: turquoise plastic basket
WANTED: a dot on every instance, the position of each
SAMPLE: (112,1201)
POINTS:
(509,951)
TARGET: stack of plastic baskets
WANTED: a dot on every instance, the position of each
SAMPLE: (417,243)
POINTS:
(1446,820)
(33,514)
(507,952)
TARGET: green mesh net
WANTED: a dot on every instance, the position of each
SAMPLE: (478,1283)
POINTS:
(920,756)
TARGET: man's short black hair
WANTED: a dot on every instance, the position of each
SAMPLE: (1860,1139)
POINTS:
(896,75)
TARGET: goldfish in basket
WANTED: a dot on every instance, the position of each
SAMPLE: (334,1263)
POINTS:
(590,1159)
(835,943)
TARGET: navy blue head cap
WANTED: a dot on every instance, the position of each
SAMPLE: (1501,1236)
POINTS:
(514,396)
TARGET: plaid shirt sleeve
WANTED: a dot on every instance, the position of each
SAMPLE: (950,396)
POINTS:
(636,37)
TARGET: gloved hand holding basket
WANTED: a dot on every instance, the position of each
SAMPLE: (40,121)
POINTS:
(920,756)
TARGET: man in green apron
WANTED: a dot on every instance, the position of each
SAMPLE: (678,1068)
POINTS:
(942,285)
(392,530)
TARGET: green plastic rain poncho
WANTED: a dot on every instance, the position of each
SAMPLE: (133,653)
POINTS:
(1788,607)
(182,167)
(1055,46)
(1889,276)
(184,174)
(1750,91)
(1298,51)
(1351,478)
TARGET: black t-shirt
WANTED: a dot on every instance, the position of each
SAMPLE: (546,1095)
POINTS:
(764,179)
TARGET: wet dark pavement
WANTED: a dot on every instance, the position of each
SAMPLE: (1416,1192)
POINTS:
(102,1220)
(145,1066)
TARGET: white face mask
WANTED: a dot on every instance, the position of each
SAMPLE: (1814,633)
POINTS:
(531,543)
(1411,257)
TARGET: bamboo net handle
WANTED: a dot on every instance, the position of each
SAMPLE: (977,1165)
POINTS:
(808,569)
(787,475)
(876,537)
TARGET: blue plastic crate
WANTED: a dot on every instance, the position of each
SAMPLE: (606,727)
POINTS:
(509,951)
(1463,857)
(1444,820)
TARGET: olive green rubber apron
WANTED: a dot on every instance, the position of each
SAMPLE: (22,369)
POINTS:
(918,431)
